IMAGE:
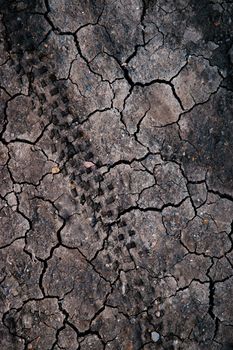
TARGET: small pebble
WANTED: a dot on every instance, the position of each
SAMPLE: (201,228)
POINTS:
(55,170)
(155,337)
(88,165)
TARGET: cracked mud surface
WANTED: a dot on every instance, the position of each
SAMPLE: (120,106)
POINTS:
(116,191)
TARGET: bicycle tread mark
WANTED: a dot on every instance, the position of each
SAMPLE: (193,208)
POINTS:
(116,196)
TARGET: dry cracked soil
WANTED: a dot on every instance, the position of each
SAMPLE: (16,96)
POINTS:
(116,187)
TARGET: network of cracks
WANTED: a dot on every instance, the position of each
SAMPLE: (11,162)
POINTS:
(116,191)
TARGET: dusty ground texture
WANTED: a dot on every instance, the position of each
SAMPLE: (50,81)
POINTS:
(116,191)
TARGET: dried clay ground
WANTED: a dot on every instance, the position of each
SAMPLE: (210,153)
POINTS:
(116,188)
